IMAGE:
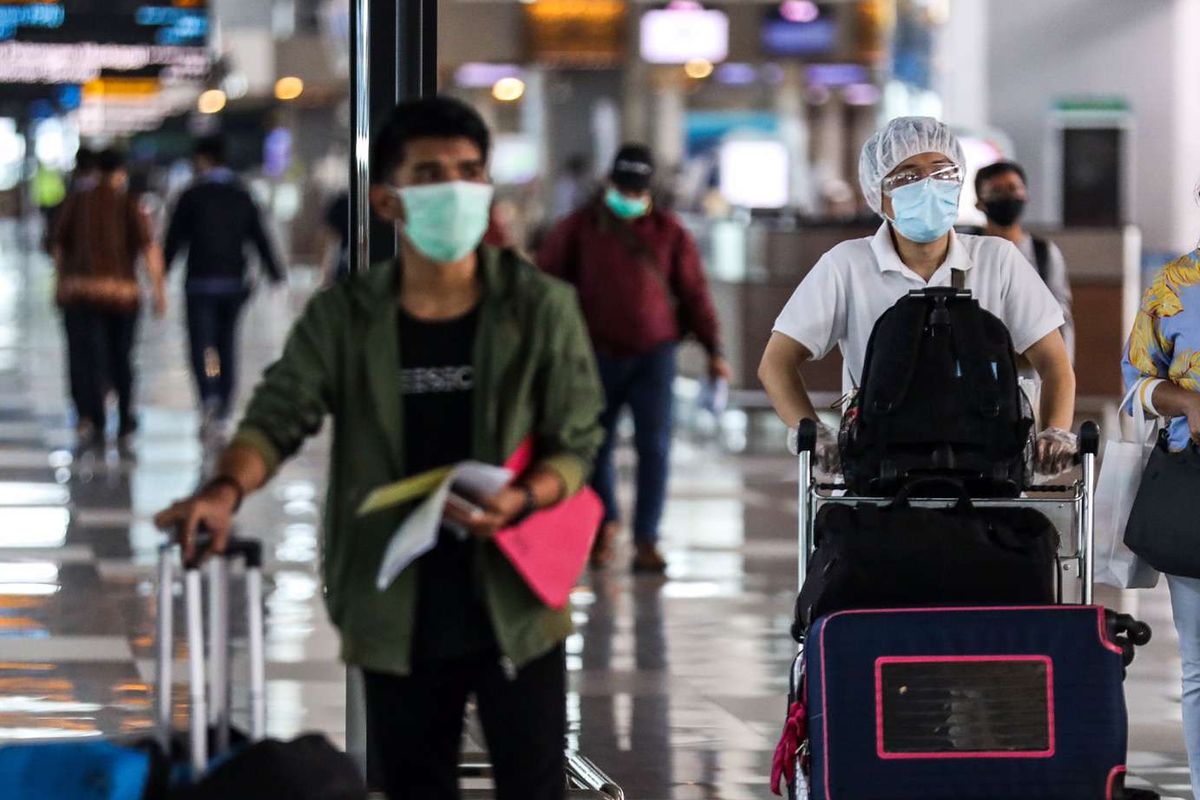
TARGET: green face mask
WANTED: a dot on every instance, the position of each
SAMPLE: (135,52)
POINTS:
(446,221)
(625,207)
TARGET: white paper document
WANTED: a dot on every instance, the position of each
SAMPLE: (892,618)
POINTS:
(419,532)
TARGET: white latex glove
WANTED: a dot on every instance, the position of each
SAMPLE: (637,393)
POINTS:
(1054,451)
(828,456)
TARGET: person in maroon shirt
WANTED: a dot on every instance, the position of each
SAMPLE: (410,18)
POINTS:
(642,290)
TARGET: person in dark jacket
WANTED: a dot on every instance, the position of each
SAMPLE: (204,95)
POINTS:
(642,288)
(214,219)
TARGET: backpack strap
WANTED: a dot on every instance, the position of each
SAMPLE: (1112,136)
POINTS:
(1041,256)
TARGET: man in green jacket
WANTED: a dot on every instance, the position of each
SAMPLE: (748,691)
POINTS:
(453,351)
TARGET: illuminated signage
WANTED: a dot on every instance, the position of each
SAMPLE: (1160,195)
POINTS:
(22,62)
(783,37)
(582,32)
(677,36)
(17,17)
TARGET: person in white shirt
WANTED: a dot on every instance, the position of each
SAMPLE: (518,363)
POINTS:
(911,173)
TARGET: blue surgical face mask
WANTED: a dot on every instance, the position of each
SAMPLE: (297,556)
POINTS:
(924,212)
(446,221)
(626,207)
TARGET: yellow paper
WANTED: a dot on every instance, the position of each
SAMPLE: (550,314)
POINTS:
(405,491)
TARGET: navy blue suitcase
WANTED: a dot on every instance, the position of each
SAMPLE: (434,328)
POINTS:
(966,704)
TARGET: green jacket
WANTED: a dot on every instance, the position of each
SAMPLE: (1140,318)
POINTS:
(534,374)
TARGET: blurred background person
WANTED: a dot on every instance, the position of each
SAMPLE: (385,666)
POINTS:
(573,187)
(642,289)
(100,233)
(1003,196)
(214,219)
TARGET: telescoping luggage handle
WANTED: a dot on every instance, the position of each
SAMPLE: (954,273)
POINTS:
(1089,447)
(209,702)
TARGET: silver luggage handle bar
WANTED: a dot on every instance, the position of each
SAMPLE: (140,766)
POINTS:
(1089,447)
(209,704)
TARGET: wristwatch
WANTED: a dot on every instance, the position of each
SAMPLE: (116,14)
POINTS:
(530,502)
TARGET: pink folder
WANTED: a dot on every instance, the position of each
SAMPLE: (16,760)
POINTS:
(550,548)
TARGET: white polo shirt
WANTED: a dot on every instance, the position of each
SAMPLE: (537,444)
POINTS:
(852,285)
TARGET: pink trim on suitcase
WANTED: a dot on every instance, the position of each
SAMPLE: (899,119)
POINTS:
(934,756)
(1104,641)
(1114,773)
(1108,643)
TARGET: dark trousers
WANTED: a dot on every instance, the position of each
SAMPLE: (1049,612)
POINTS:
(99,349)
(415,727)
(212,321)
(644,384)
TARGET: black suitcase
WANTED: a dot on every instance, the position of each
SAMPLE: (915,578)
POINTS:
(894,556)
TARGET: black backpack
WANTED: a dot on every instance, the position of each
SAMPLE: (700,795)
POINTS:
(939,398)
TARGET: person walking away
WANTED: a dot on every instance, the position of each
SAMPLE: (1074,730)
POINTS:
(1161,352)
(214,219)
(911,173)
(85,176)
(1003,195)
(454,350)
(642,288)
(100,234)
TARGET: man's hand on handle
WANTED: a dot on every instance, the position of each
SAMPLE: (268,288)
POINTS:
(211,508)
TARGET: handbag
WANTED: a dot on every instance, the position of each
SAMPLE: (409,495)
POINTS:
(1120,477)
(1163,526)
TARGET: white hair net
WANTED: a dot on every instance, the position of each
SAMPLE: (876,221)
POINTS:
(898,141)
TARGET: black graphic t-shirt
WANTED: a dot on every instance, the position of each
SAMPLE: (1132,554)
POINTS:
(437,381)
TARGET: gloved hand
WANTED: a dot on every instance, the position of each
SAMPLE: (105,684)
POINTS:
(1054,451)
(828,456)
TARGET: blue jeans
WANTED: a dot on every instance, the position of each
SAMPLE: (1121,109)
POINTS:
(643,383)
(212,320)
(1185,607)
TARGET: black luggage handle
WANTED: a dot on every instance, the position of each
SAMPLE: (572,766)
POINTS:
(806,438)
(247,550)
(959,493)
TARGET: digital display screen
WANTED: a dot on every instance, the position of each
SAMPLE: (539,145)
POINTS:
(677,36)
(181,23)
(77,41)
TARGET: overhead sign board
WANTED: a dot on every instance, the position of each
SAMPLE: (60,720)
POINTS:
(576,32)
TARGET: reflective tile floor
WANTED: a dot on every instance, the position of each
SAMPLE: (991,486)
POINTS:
(677,684)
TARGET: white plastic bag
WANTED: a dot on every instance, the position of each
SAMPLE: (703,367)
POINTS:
(1120,476)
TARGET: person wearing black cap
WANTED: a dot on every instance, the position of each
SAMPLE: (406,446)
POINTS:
(642,288)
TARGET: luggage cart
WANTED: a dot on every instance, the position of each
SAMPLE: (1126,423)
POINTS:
(1069,507)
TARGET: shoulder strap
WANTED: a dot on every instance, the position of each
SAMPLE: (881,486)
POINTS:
(958,279)
(1041,256)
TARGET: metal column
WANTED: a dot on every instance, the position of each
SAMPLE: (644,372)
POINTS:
(393,56)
